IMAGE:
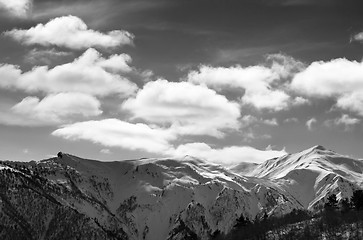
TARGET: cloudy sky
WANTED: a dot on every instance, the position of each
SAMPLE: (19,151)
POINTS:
(227,81)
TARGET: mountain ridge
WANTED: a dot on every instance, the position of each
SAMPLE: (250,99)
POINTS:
(173,198)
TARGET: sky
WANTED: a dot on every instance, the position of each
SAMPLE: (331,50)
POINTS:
(226,81)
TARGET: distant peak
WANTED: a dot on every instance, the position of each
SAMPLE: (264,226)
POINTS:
(319,147)
(315,149)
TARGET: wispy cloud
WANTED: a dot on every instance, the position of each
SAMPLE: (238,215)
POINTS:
(291,120)
(357,37)
(96,13)
(45,56)
(227,155)
(106,151)
(310,123)
(344,120)
(299,2)
(117,133)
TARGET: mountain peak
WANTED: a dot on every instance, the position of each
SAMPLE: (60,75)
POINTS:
(318,147)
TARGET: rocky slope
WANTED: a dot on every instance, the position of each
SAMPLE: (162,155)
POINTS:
(75,198)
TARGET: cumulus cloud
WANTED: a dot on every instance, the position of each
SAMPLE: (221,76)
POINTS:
(310,123)
(340,79)
(116,63)
(71,32)
(352,102)
(274,100)
(90,73)
(52,110)
(254,77)
(285,66)
(17,8)
(117,133)
(336,77)
(58,106)
(189,109)
(256,81)
(227,155)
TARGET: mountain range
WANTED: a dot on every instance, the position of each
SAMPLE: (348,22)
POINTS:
(68,197)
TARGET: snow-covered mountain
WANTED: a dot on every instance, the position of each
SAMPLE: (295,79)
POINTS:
(312,174)
(162,198)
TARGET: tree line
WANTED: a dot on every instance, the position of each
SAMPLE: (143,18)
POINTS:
(335,219)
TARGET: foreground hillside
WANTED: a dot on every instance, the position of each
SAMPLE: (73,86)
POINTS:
(73,198)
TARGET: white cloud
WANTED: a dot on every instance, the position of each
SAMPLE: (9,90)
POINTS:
(249,136)
(90,74)
(190,109)
(255,80)
(248,120)
(291,120)
(285,66)
(227,155)
(271,122)
(337,77)
(340,79)
(117,133)
(274,100)
(44,56)
(358,37)
(345,120)
(106,151)
(70,32)
(352,102)
(13,119)
(51,110)
(9,75)
(298,101)
(17,8)
(59,106)
(310,123)
(116,63)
